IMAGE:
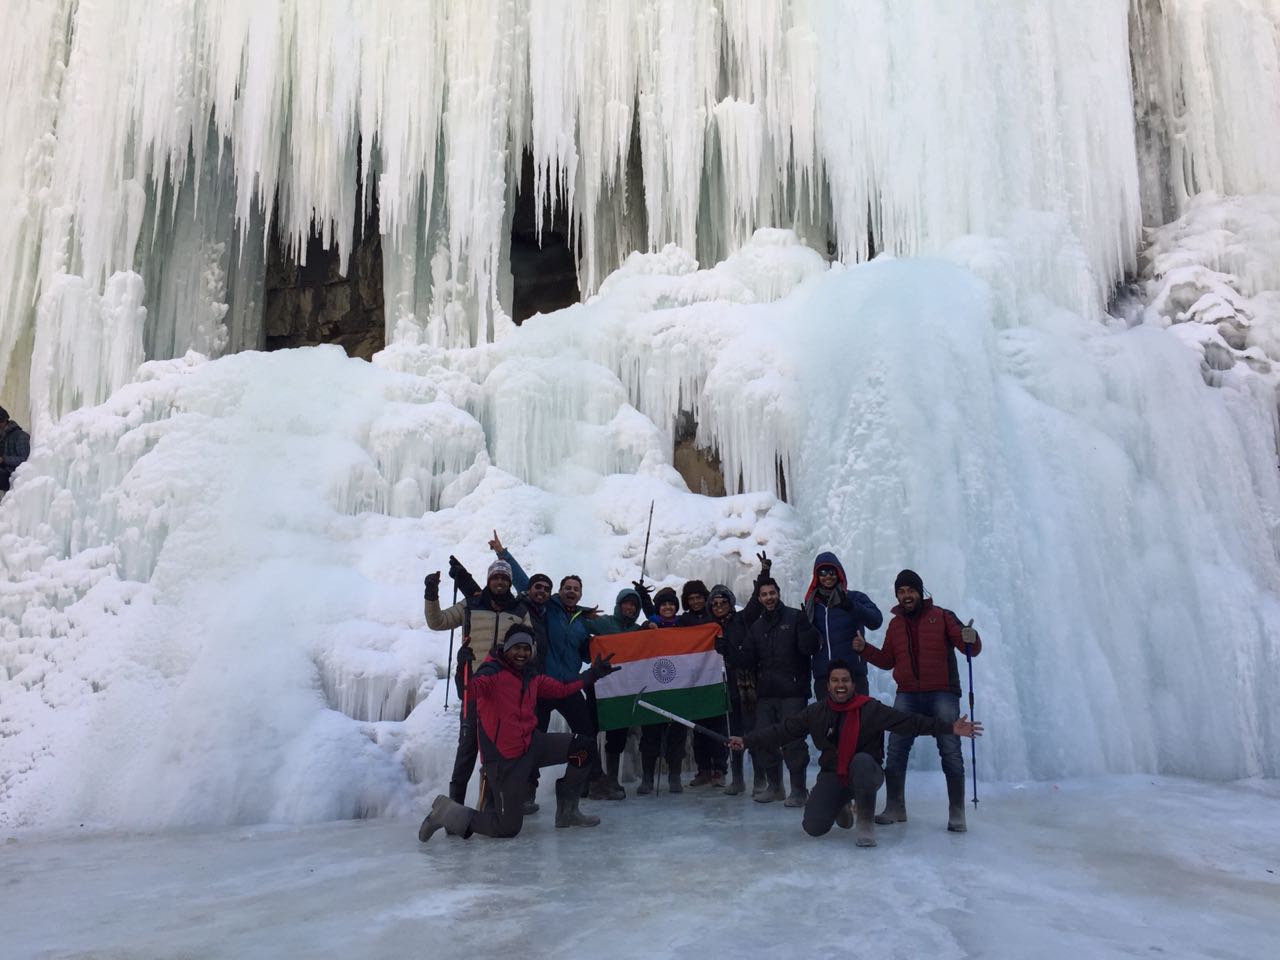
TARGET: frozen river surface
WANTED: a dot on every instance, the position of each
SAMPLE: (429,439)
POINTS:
(1115,867)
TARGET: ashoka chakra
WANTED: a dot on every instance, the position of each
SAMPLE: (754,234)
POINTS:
(664,671)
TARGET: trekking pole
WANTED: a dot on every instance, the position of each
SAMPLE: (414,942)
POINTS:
(644,562)
(973,742)
(451,629)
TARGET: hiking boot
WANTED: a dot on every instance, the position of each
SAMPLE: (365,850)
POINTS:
(702,779)
(673,784)
(895,804)
(734,786)
(774,789)
(613,762)
(447,814)
(865,802)
(567,812)
(759,783)
(799,792)
(955,805)
(844,816)
(646,784)
(529,807)
(717,780)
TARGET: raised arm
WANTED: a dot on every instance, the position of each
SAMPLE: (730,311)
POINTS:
(862,606)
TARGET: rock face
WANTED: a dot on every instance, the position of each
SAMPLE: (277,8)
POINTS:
(312,304)
(544,269)
(700,467)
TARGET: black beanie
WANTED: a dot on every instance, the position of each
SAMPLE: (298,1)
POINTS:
(665,595)
(909,578)
(692,587)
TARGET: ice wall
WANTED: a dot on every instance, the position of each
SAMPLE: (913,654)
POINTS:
(166,138)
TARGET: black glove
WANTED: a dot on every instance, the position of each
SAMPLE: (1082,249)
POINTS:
(646,596)
(600,668)
(465,655)
(462,578)
(431,586)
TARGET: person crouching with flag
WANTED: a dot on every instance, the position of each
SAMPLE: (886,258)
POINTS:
(848,730)
(511,746)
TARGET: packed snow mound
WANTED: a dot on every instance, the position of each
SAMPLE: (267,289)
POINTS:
(211,606)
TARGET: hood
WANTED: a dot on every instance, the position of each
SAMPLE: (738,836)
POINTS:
(628,593)
(825,559)
(720,590)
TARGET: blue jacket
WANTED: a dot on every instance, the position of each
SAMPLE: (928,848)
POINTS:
(569,634)
(848,612)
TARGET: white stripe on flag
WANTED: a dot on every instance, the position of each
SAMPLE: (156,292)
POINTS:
(662,673)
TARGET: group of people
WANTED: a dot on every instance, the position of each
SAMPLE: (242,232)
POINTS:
(15,447)
(531,644)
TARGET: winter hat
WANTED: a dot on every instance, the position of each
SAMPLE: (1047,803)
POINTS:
(691,588)
(665,595)
(909,578)
(540,578)
(516,634)
(499,568)
(720,590)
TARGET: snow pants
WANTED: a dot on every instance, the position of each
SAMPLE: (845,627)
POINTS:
(829,794)
(773,710)
(464,760)
(508,779)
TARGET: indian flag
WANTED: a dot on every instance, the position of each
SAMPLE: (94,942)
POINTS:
(676,668)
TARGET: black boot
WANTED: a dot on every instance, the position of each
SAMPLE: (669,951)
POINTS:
(734,787)
(799,790)
(759,781)
(568,795)
(446,813)
(774,791)
(895,803)
(647,767)
(955,804)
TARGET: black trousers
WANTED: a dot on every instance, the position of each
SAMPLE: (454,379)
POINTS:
(509,778)
(829,794)
(578,714)
(666,739)
(709,753)
(773,710)
(464,760)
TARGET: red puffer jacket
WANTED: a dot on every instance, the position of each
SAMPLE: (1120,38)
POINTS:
(507,700)
(920,650)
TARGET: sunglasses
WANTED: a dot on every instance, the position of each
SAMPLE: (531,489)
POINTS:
(828,572)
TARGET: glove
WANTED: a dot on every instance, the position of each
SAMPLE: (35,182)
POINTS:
(465,655)
(600,668)
(642,588)
(431,586)
(968,635)
(462,578)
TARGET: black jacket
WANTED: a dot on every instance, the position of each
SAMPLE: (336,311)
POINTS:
(15,447)
(778,648)
(823,724)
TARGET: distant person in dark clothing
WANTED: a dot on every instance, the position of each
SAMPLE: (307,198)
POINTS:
(15,447)
(839,614)
(848,730)
(693,597)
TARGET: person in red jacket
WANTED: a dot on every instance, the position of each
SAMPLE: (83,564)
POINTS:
(920,647)
(511,745)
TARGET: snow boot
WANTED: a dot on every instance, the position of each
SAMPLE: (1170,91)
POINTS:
(567,812)
(702,779)
(895,803)
(606,786)
(799,792)
(955,805)
(865,802)
(446,813)
(647,766)
(673,783)
(844,817)
(759,781)
(734,786)
(774,790)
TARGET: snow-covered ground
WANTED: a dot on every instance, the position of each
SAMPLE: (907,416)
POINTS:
(1097,868)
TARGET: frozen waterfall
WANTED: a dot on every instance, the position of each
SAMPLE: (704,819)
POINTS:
(869,249)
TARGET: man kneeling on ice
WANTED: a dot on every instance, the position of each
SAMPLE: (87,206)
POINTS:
(848,730)
(506,695)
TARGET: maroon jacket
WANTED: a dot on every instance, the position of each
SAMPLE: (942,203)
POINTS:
(508,700)
(920,650)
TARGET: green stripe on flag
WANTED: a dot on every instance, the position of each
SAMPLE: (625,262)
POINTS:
(692,703)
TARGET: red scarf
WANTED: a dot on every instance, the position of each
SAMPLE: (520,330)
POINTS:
(849,731)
